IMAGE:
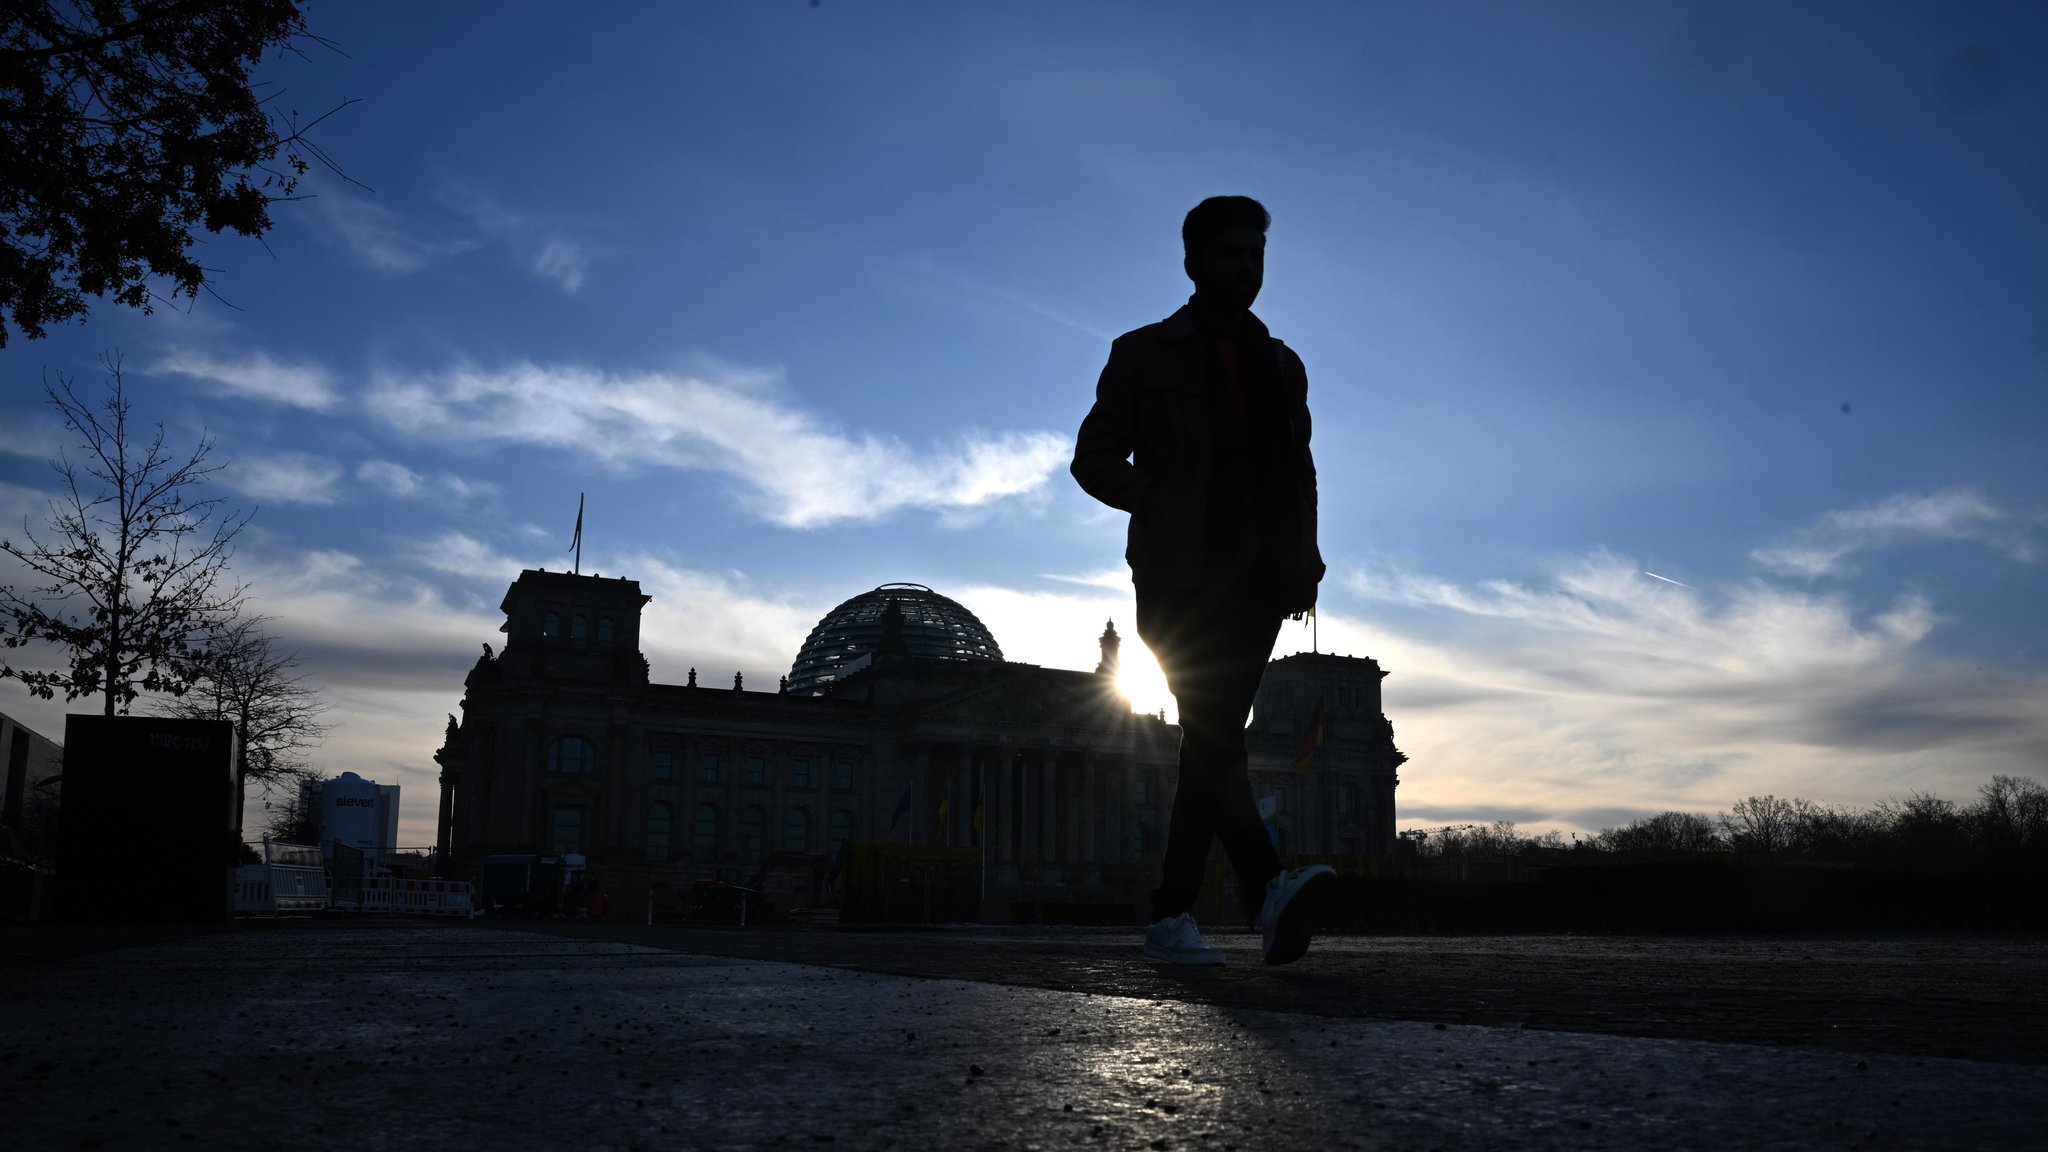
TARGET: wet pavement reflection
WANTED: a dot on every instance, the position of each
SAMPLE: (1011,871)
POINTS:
(412,1036)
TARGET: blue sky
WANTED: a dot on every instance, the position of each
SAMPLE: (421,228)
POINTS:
(808,299)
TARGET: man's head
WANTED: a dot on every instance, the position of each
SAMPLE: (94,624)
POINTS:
(1224,240)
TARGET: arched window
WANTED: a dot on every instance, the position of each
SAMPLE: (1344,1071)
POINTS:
(604,627)
(572,756)
(704,837)
(578,628)
(753,822)
(842,829)
(551,625)
(796,831)
(657,833)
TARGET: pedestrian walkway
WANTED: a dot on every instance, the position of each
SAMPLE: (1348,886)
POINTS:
(450,1035)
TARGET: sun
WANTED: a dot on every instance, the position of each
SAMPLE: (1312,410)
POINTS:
(1138,677)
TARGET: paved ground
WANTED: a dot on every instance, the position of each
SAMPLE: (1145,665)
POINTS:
(396,1034)
(1971,997)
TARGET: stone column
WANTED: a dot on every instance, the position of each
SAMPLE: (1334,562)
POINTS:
(1088,796)
(922,804)
(1002,804)
(1074,798)
(442,824)
(1049,835)
(963,796)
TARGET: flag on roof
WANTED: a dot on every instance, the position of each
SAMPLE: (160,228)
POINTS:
(1313,741)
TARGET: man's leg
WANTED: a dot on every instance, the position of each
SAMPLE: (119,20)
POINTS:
(1238,824)
(1213,652)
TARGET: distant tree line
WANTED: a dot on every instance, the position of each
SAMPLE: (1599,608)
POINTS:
(2005,827)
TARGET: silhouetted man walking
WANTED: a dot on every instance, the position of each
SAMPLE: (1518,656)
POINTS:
(1200,431)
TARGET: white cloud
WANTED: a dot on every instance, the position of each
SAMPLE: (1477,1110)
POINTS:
(390,478)
(1824,548)
(35,435)
(284,477)
(791,467)
(397,480)
(255,376)
(551,255)
(380,237)
(1597,688)
(460,554)
(564,262)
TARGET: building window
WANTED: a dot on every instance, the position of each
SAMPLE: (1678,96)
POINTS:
(578,629)
(757,769)
(800,772)
(1144,791)
(604,627)
(1353,846)
(842,829)
(568,829)
(572,756)
(1347,799)
(796,831)
(707,768)
(1141,840)
(1279,797)
(752,822)
(657,833)
(842,774)
(550,625)
(664,765)
(704,836)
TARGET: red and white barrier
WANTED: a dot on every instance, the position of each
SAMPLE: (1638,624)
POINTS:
(424,897)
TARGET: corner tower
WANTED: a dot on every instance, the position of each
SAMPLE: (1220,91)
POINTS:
(564,626)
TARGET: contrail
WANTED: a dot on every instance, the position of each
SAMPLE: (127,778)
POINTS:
(1667,579)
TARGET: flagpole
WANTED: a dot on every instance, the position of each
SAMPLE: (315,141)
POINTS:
(577,542)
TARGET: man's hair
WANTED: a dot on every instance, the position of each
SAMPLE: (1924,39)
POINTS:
(1215,214)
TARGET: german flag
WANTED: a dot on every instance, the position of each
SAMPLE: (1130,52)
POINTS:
(1313,741)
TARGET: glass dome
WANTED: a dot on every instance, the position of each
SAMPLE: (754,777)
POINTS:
(846,639)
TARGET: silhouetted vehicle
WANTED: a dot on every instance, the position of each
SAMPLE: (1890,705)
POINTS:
(717,902)
(530,883)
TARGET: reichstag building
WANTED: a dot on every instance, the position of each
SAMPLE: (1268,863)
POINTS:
(899,721)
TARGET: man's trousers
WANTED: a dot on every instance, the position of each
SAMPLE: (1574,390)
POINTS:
(1213,645)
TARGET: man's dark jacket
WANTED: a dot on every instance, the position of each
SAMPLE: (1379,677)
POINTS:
(1145,448)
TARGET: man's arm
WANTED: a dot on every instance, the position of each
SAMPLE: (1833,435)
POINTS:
(1108,436)
(1307,473)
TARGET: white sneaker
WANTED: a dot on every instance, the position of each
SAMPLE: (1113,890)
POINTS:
(1176,941)
(1294,899)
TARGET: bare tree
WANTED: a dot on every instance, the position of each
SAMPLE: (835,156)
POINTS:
(295,810)
(1763,824)
(135,566)
(1664,832)
(2011,819)
(245,676)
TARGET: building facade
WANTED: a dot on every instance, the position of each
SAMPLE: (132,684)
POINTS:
(900,722)
(31,774)
(359,813)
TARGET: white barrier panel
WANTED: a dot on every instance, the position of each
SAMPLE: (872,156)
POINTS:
(252,890)
(266,889)
(423,897)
